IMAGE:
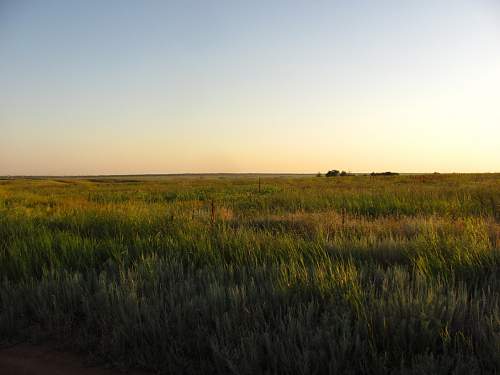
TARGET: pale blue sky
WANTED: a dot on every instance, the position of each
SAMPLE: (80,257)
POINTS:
(97,87)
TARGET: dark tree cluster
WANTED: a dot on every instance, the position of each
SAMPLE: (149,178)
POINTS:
(335,173)
(332,173)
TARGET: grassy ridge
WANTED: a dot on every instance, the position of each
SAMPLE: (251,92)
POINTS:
(208,275)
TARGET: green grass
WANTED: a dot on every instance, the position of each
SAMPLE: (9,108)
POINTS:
(351,275)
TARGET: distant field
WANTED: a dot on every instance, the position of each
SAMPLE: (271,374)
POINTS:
(214,274)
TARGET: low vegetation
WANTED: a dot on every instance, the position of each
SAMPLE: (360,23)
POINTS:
(384,174)
(192,275)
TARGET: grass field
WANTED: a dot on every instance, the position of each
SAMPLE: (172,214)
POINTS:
(306,275)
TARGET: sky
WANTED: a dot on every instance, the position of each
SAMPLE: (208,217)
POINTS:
(132,87)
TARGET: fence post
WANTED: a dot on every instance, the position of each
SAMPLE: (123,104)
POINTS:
(212,213)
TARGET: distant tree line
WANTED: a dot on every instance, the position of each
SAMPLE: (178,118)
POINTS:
(336,172)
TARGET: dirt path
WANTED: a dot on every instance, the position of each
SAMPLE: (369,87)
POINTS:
(25,359)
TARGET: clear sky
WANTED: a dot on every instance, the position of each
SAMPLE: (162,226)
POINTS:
(105,87)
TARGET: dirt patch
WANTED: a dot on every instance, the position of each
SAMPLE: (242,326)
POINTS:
(25,359)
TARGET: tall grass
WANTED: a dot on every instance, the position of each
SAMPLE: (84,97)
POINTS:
(357,274)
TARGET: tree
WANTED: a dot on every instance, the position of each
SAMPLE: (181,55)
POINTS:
(332,173)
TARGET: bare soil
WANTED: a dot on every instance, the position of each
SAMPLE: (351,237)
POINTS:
(27,359)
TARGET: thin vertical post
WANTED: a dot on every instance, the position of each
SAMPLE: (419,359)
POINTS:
(212,211)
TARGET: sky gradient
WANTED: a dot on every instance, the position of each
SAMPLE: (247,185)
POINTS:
(126,87)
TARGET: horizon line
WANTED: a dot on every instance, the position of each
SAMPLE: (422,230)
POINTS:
(187,174)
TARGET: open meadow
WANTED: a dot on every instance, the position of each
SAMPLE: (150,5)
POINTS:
(216,274)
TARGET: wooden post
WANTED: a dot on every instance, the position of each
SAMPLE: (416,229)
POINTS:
(212,216)
(259,185)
